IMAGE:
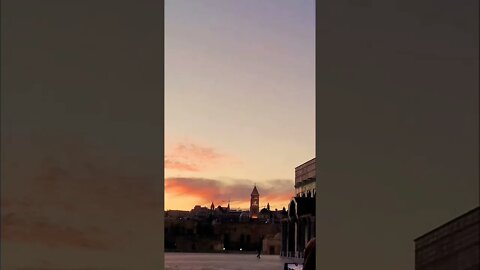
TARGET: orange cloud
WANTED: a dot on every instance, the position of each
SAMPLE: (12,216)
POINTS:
(276,192)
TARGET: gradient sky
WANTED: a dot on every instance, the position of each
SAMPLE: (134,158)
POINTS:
(239,99)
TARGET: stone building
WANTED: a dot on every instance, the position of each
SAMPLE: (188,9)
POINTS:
(305,179)
(451,246)
(299,227)
(272,244)
(198,243)
(200,211)
(245,236)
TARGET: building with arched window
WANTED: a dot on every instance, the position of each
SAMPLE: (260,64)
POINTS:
(299,227)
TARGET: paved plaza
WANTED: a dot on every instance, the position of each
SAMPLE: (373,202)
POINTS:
(202,261)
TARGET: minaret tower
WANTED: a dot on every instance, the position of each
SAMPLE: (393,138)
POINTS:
(254,203)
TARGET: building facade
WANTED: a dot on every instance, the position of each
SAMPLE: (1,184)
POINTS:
(299,227)
(305,179)
(452,246)
(272,244)
(222,229)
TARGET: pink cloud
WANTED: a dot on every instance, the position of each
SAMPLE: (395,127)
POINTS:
(197,152)
(192,157)
(180,166)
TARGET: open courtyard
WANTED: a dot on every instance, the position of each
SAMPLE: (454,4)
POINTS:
(205,261)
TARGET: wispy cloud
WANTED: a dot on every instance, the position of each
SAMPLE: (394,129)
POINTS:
(196,152)
(192,157)
(180,166)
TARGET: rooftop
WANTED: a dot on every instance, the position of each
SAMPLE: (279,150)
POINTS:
(475,210)
(306,163)
(255,191)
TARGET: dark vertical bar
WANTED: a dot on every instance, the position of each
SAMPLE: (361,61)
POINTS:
(82,134)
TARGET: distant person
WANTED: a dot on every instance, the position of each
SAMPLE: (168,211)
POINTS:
(309,255)
(259,250)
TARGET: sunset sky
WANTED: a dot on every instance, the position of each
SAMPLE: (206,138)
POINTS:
(239,100)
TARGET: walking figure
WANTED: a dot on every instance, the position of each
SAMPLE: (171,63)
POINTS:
(259,250)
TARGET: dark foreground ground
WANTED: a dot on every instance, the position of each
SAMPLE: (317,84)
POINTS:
(204,261)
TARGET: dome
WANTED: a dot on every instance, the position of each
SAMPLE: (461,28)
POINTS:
(244,216)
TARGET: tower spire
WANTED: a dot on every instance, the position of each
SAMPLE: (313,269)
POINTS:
(254,202)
